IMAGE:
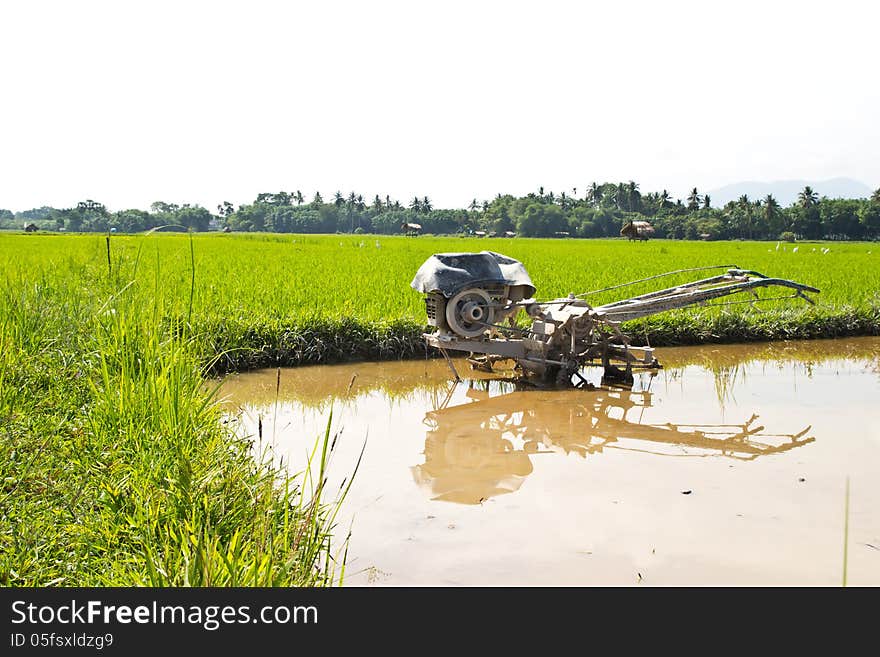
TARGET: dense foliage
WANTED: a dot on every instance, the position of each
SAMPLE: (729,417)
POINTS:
(600,212)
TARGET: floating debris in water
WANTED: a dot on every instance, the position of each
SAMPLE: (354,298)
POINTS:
(686,492)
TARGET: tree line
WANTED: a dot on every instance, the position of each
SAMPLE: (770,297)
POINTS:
(600,211)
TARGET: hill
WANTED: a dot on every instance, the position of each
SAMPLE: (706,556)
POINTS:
(786,191)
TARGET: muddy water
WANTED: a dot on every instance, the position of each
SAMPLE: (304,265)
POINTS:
(728,467)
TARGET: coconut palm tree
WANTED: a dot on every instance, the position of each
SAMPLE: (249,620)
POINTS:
(772,214)
(875,197)
(426,205)
(633,196)
(474,206)
(808,198)
(664,199)
(744,204)
(416,204)
(298,196)
(622,197)
(338,199)
(594,194)
(693,200)
(707,202)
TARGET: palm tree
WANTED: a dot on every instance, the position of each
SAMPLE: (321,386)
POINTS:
(633,196)
(359,203)
(377,204)
(745,205)
(426,205)
(563,201)
(772,213)
(416,204)
(474,206)
(808,198)
(693,200)
(664,199)
(707,202)
(299,197)
(875,197)
(318,200)
(338,199)
(485,206)
(622,197)
(594,194)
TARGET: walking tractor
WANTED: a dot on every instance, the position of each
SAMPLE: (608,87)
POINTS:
(473,301)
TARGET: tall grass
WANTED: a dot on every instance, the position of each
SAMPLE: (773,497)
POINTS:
(116,468)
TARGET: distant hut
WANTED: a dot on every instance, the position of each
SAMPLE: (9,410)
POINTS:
(410,229)
(509,233)
(637,230)
(227,229)
(562,233)
(30,228)
(480,233)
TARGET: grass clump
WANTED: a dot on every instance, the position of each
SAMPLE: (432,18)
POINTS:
(116,467)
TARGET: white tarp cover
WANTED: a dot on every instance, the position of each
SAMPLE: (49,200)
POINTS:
(449,273)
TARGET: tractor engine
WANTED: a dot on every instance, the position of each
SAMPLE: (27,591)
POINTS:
(470,294)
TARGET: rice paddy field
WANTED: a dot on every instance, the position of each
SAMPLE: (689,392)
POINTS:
(116,468)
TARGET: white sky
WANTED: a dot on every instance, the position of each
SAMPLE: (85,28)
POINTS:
(131,102)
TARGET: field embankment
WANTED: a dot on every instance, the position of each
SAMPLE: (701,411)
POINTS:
(116,466)
(266,300)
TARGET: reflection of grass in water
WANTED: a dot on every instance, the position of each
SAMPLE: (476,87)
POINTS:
(400,382)
(724,378)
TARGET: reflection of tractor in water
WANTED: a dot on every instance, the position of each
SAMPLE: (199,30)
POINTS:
(482,449)
(473,300)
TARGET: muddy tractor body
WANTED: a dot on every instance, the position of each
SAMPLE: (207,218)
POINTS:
(473,302)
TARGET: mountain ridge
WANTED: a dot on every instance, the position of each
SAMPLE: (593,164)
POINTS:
(786,191)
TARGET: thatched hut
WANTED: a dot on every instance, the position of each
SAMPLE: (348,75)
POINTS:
(637,230)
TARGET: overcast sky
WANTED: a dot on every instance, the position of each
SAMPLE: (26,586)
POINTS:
(132,102)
